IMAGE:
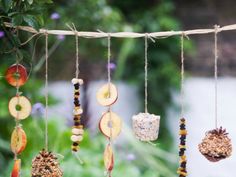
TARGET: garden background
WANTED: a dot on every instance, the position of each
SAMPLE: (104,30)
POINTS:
(132,158)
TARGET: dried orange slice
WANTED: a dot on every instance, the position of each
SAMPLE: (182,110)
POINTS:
(108,158)
(110,124)
(16,75)
(19,107)
(18,140)
(16,168)
(107,94)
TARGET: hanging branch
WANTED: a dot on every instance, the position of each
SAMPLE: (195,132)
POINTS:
(87,34)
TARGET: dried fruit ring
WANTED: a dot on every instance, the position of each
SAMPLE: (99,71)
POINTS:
(16,168)
(18,140)
(110,124)
(107,94)
(19,107)
(108,158)
(16,75)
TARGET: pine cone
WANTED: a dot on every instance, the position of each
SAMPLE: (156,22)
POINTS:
(45,164)
(216,145)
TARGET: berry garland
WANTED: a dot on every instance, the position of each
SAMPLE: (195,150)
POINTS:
(182,171)
(77,129)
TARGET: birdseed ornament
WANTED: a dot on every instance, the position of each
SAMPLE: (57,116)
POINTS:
(216,145)
(110,123)
(145,125)
(46,164)
(19,108)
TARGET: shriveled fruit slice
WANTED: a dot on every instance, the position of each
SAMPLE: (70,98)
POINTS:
(107,94)
(19,107)
(108,158)
(18,140)
(110,124)
(16,168)
(16,75)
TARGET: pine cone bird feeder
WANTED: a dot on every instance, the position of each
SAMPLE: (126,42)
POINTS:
(216,145)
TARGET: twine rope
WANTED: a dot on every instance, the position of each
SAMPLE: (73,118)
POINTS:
(182,74)
(146,73)
(88,34)
(216,72)
(46,91)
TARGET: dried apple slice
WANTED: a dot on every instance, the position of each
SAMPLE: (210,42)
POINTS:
(16,75)
(107,94)
(18,140)
(108,158)
(19,107)
(110,124)
(16,168)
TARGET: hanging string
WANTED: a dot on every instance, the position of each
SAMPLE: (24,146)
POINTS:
(146,75)
(182,75)
(216,74)
(109,60)
(46,91)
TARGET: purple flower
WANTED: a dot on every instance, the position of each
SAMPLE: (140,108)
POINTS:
(2,34)
(60,37)
(130,157)
(38,110)
(111,66)
(55,16)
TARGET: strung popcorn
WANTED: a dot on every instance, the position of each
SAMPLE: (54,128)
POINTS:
(146,126)
(77,129)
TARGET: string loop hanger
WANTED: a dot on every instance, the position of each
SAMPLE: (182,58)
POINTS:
(76,33)
(216,71)
(145,125)
(182,72)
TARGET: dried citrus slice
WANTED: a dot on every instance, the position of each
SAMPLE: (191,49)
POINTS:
(16,75)
(110,124)
(107,94)
(16,168)
(18,140)
(19,107)
(108,158)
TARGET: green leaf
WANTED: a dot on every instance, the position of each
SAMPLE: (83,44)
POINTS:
(31,21)
(17,20)
(6,4)
(30,1)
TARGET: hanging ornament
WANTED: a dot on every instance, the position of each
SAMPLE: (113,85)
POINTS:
(110,123)
(146,125)
(46,164)
(19,108)
(16,172)
(16,75)
(182,170)
(77,130)
(216,145)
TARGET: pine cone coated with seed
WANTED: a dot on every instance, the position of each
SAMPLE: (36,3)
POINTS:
(45,164)
(216,145)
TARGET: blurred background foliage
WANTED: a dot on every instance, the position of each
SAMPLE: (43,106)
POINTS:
(127,54)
